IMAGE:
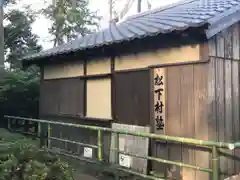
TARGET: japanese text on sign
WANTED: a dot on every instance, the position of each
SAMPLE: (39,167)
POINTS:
(159,99)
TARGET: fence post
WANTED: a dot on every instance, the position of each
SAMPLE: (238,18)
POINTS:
(40,135)
(49,136)
(215,163)
(26,127)
(9,124)
(116,139)
(100,145)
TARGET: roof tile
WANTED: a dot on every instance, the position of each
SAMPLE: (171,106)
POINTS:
(175,17)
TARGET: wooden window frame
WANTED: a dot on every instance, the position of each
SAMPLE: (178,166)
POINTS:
(90,82)
(86,77)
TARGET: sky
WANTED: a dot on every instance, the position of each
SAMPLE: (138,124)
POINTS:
(41,25)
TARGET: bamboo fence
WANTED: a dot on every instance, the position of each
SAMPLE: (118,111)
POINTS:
(214,170)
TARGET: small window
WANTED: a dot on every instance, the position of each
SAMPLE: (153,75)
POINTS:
(99,98)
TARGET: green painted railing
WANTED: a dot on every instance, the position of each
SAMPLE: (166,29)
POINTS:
(189,141)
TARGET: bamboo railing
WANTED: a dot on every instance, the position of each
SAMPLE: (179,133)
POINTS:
(214,170)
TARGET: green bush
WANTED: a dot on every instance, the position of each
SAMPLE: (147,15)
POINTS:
(19,92)
(23,160)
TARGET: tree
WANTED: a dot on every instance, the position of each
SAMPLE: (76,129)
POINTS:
(71,18)
(19,93)
(19,90)
(19,39)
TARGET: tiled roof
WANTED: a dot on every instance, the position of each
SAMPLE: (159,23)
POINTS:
(175,17)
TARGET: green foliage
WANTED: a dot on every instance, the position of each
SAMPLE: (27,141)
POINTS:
(19,39)
(19,92)
(23,160)
(70,21)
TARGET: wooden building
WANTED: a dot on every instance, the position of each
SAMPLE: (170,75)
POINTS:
(174,69)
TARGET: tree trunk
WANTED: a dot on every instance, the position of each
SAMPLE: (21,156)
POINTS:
(74,3)
(1,38)
(139,4)
(110,10)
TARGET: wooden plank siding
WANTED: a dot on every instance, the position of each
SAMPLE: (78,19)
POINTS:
(187,99)
(132,97)
(228,93)
(201,117)
(220,96)
(173,125)
(63,97)
(132,144)
(49,98)
(187,114)
(212,113)
(235,90)
(223,94)
(71,97)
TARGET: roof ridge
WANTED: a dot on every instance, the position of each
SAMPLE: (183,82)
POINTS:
(159,9)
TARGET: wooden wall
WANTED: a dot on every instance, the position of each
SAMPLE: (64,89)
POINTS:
(132,97)
(64,97)
(163,56)
(186,116)
(223,90)
(203,103)
(84,88)
(63,70)
(100,66)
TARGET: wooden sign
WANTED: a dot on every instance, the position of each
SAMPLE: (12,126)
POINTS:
(159,81)
(87,152)
(125,160)
(131,144)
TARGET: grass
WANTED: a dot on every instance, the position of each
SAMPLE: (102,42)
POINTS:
(6,136)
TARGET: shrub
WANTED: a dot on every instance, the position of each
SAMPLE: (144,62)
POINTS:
(23,160)
(19,92)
